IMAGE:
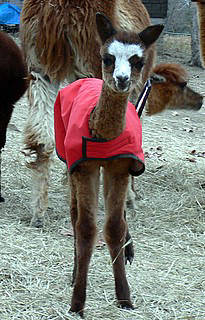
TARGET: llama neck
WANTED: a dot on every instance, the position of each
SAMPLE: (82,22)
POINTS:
(157,100)
(108,119)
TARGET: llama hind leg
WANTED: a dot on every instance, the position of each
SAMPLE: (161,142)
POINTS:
(85,180)
(115,233)
(39,197)
(39,142)
(131,196)
(129,249)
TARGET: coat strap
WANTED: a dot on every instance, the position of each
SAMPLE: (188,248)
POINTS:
(143,98)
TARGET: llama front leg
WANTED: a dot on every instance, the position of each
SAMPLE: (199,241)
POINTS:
(115,233)
(74,216)
(86,192)
(39,142)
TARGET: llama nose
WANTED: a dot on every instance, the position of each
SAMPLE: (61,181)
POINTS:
(122,79)
(122,83)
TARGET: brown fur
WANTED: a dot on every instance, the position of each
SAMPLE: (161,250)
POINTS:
(64,32)
(13,83)
(83,214)
(60,42)
(101,124)
(175,72)
(107,121)
(173,92)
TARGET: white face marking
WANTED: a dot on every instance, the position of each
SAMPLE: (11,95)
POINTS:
(123,52)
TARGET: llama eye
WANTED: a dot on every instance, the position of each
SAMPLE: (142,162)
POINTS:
(136,63)
(108,61)
(139,65)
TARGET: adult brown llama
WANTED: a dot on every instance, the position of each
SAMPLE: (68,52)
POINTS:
(171,78)
(60,42)
(201,17)
(113,124)
(13,84)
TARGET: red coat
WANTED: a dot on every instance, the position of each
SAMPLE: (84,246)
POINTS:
(74,144)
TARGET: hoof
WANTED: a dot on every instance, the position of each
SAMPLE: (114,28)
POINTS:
(126,304)
(2,199)
(80,312)
(37,223)
(129,253)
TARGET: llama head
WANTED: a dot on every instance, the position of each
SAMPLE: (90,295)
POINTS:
(170,90)
(123,53)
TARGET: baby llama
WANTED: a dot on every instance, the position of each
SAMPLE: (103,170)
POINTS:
(96,126)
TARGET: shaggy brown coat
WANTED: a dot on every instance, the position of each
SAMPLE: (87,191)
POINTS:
(13,84)
(65,33)
(13,81)
(60,42)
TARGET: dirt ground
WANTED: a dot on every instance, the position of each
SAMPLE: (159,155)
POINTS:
(167,277)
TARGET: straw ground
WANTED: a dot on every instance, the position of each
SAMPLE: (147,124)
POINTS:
(167,277)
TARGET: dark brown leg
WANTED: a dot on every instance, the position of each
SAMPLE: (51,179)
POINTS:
(74,216)
(86,186)
(116,229)
(129,249)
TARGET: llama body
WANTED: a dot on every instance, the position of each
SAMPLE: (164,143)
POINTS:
(122,56)
(60,42)
(13,82)
(171,78)
(73,107)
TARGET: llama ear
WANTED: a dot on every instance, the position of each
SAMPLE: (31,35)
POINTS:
(151,34)
(104,27)
(157,78)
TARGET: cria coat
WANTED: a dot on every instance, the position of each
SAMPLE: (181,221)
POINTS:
(74,144)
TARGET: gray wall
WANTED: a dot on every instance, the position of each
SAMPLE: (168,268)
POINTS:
(156,8)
